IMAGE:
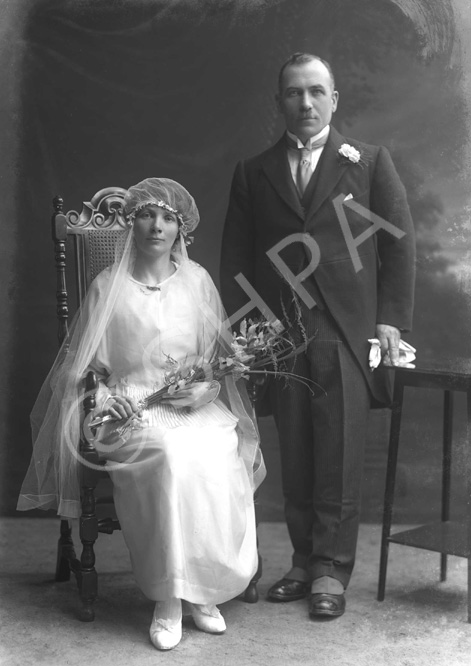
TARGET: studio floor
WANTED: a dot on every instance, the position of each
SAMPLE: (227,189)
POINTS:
(421,622)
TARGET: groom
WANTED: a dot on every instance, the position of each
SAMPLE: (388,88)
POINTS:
(319,227)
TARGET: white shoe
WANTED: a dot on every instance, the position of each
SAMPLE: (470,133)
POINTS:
(166,628)
(208,618)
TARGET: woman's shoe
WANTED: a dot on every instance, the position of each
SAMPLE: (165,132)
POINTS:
(208,618)
(166,628)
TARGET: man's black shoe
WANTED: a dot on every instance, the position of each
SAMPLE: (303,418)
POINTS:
(322,604)
(288,590)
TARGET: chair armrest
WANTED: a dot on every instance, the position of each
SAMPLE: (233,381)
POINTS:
(87,448)
(91,387)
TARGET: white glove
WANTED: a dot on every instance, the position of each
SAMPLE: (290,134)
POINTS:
(406,354)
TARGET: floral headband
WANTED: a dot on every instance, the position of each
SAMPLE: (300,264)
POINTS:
(130,217)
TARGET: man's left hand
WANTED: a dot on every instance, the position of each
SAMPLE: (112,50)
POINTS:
(389,337)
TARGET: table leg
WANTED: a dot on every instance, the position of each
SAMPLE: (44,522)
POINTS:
(394,433)
(468,476)
(446,469)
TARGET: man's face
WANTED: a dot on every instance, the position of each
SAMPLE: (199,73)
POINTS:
(307,99)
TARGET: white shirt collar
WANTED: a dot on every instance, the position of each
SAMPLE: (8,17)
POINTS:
(324,132)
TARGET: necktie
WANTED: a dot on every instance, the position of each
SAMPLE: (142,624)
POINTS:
(305,170)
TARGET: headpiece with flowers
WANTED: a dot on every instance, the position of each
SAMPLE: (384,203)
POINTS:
(164,193)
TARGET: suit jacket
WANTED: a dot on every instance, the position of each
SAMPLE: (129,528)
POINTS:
(264,208)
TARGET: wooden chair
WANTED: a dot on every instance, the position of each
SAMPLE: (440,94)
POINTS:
(92,233)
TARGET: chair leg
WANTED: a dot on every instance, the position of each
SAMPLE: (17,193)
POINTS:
(88,579)
(390,483)
(88,595)
(446,469)
(65,552)
(468,470)
(251,593)
(88,582)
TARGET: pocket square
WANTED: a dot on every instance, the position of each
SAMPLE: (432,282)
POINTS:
(349,196)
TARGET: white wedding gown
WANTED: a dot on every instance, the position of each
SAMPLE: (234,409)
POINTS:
(181,490)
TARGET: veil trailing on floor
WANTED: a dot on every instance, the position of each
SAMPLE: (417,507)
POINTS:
(52,480)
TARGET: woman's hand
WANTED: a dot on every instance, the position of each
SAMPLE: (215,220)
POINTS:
(120,407)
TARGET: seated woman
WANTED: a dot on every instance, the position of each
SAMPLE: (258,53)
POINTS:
(185,471)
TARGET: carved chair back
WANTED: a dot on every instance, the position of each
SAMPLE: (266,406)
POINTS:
(94,232)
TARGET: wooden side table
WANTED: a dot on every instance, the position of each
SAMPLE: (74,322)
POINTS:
(445,537)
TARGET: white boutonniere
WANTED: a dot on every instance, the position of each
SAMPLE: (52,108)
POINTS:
(348,152)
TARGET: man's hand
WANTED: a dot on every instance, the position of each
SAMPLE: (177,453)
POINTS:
(389,337)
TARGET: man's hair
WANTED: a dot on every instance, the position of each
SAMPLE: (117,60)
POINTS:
(301,58)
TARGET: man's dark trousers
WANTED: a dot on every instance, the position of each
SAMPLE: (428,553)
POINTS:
(322,443)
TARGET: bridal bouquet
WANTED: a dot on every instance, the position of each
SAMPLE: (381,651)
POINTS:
(259,348)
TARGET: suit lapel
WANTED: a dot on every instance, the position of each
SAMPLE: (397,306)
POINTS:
(331,170)
(276,167)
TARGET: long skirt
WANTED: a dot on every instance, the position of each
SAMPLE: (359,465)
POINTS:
(185,506)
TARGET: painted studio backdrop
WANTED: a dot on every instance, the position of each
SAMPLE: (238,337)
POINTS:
(98,93)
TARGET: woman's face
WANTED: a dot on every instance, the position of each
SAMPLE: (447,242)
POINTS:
(155,231)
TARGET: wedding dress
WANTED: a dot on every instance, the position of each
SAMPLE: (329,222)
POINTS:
(181,491)
(184,478)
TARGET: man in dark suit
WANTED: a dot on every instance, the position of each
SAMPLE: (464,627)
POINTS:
(320,227)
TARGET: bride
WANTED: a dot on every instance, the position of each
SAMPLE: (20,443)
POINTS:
(184,476)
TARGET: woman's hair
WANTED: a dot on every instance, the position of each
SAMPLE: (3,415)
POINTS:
(167,194)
